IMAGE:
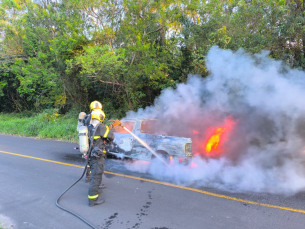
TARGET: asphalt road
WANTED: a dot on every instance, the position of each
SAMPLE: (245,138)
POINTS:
(34,173)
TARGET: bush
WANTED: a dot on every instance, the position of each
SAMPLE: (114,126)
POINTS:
(48,124)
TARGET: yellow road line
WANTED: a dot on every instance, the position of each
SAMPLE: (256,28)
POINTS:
(210,193)
(170,185)
(41,159)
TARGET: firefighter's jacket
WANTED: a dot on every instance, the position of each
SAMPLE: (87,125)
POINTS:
(103,132)
(102,135)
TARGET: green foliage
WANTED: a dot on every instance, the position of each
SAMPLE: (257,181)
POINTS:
(49,115)
(38,39)
(64,54)
(45,125)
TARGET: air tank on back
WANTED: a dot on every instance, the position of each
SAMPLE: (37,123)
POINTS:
(83,135)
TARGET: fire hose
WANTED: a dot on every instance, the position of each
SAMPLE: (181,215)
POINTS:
(115,124)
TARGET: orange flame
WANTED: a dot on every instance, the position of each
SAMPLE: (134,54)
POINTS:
(213,142)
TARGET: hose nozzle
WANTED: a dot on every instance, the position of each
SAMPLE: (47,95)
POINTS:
(115,124)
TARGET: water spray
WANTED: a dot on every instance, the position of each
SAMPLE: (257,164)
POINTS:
(145,145)
(117,123)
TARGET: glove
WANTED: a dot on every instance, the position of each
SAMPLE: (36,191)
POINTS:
(97,152)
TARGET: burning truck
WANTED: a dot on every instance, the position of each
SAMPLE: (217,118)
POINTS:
(140,139)
(147,139)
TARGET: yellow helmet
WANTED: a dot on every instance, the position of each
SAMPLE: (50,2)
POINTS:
(95,105)
(98,114)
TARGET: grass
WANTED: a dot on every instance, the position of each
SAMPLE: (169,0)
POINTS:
(47,125)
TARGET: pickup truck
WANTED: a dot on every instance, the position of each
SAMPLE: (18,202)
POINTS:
(169,147)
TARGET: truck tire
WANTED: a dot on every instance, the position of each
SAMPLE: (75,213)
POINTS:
(163,154)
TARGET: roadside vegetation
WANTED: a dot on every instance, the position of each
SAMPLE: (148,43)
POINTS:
(61,55)
(48,124)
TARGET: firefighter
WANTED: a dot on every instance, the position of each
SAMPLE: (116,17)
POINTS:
(94,106)
(102,136)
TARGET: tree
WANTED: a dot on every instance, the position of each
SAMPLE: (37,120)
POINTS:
(67,53)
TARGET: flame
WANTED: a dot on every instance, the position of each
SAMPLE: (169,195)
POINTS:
(217,137)
(194,165)
(171,160)
(195,132)
(213,141)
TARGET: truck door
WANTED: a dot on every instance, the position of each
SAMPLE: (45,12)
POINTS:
(147,133)
(123,138)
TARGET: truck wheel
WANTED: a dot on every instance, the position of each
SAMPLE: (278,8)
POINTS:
(163,154)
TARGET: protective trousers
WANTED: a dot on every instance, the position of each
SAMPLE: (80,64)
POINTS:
(97,170)
(88,174)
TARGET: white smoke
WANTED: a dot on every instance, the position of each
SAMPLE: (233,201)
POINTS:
(265,98)
(6,222)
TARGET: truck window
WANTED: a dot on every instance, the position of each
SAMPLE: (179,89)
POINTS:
(151,126)
(128,125)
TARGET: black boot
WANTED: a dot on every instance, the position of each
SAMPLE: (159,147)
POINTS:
(100,188)
(95,201)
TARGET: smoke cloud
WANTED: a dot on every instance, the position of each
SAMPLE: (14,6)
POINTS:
(264,151)
(6,222)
